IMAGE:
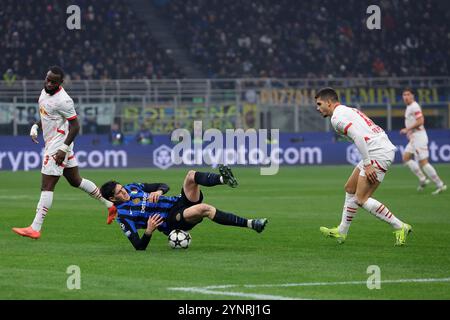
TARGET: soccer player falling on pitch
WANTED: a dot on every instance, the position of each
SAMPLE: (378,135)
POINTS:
(377,154)
(60,126)
(143,206)
(418,144)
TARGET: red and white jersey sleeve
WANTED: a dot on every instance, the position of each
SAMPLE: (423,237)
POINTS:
(352,123)
(412,113)
(55,111)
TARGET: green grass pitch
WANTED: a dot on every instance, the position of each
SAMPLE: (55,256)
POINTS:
(290,259)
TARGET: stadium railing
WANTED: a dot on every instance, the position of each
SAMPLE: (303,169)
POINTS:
(163,105)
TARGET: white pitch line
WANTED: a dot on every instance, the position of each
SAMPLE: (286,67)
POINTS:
(210,290)
(235,294)
(311,284)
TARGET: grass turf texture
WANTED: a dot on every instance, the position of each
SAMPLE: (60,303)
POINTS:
(297,202)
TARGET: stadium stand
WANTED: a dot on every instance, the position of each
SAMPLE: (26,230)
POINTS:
(305,39)
(112,44)
(244,38)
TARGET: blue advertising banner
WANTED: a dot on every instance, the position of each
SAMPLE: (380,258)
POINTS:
(95,151)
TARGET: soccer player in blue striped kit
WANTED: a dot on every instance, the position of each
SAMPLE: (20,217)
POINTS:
(143,206)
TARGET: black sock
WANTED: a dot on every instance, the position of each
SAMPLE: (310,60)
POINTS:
(207,179)
(229,219)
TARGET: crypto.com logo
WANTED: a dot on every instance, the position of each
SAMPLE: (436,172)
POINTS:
(353,155)
(162,157)
(249,147)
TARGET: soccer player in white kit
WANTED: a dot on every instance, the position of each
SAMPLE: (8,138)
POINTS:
(418,144)
(377,153)
(60,126)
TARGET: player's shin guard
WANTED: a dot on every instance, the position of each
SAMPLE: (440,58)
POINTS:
(349,212)
(432,174)
(43,206)
(382,212)
(90,188)
(415,169)
(230,219)
(207,179)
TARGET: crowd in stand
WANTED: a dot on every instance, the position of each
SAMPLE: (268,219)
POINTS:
(329,38)
(112,42)
(227,39)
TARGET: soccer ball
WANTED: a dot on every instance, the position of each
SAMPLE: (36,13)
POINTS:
(179,239)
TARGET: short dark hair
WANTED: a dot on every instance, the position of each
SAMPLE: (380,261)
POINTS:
(57,70)
(107,189)
(408,89)
(327,94)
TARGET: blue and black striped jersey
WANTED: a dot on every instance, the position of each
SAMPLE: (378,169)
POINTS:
(138,209)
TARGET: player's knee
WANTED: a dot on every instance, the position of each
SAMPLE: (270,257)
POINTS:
(205,209)
(75,182)
(406,157)
(190,176)
(360,201)
(349,188)
(423,162)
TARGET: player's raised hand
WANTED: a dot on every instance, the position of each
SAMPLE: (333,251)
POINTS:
(34,133)
(404,131)
(154,196)
(371,174)
(154,222)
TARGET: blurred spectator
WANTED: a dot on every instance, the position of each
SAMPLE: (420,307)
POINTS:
(144,136)
(116,136)
(9,77)
(90,125)
(378,67)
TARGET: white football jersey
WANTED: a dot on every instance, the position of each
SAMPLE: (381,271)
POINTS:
(412,113)
(345,117)
(55,110)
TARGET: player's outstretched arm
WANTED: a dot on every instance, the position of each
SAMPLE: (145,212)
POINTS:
(152,187)
(155,190)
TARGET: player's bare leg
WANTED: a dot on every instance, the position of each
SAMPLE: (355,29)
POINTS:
(72,175)
(196,213)
(349,211)
(190,187)
(48,184)
(415,169)
(364,191)
(432,174)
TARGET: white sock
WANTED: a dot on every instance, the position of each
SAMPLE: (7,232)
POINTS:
(382,212)
(249,223)
(432,174)
(45,202)
(414,167)
(350,208)
(90,187)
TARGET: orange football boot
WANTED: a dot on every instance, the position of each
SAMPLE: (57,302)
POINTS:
(27,232)
(112,213)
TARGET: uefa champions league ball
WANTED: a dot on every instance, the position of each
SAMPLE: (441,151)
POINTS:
(179,239)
